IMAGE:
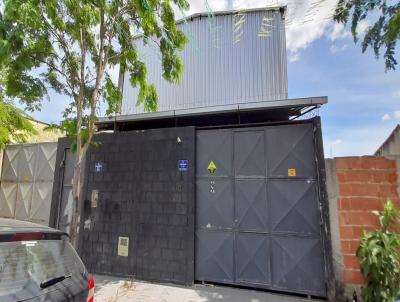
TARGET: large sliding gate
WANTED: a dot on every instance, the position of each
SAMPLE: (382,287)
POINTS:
(258,220)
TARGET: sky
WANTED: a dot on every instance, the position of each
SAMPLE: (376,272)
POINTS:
(363,100)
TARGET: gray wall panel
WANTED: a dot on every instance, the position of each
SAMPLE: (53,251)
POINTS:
(26,181)
(218,70)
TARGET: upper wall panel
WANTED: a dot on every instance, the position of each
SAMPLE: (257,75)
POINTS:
(230,59)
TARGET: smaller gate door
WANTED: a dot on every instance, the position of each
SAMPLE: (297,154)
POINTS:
(257,211)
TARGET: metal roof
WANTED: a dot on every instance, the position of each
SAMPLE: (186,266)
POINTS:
(288,109)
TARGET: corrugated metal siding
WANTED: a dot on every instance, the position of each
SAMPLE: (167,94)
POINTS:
(217,70)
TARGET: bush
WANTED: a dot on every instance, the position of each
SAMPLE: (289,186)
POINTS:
(379,254)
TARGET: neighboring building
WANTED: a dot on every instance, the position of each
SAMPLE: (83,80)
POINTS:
(43,135)
(225,184)
(391,146)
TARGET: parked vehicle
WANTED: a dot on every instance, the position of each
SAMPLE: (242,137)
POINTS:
(38,263)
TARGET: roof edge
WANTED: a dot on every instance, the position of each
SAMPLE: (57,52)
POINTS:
(230,12)
(240,107)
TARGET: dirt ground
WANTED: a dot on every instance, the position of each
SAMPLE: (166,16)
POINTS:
(111,289)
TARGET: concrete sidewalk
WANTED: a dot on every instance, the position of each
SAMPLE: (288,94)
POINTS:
(111,289)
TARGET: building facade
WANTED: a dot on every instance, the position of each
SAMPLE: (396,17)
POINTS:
(225,184)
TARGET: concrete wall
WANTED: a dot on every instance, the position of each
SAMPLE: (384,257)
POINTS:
(356,186)
(143,196)
(391,147)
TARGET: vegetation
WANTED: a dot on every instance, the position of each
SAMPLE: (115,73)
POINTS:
(379,254)
(70,46)
(383,34)
(14,126)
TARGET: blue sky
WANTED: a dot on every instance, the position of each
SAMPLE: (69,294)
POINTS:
(364,101)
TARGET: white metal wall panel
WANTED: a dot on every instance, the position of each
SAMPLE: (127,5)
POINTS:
(26,181)
(8,194)
(220,69)
(45,162)
(23,200)
(25,161)
(10,163)
(41,201)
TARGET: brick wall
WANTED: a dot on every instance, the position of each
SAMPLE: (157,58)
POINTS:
(364,184)
(143,196)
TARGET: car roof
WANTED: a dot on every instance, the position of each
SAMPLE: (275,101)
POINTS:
(8,226)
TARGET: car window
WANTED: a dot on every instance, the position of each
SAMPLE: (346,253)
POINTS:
(25,264)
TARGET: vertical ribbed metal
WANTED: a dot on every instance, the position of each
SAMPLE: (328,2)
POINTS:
(220,68)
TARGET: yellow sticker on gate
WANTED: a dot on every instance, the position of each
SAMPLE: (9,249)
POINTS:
(211,167)
(291,172)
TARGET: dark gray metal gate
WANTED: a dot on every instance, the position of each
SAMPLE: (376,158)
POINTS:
(258,215)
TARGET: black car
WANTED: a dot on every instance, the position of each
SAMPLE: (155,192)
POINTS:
(38,263)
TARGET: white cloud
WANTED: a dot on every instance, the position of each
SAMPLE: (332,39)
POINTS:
(362,27)
(339,32)
(396,94)
(386,117)
(396,115)
(294,56)
(335,49)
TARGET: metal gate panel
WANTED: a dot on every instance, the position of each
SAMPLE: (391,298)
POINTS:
(41,202)
(45,162)
(214,146)
(252,258)
(258,215)
(8,196)
(65,206)
(290,147)
(216,203)
(295,266)
(249,154)
(65,214)
(295,206)
(10,164)
(251,205)
(24,200)
(26,163)
(214,256)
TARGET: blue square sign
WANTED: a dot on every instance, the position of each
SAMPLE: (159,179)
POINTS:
(183,165)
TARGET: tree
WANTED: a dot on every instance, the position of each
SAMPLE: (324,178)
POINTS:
(70,45)
(14,126)
(383,34)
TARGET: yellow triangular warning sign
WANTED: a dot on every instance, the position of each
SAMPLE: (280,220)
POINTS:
(211,167)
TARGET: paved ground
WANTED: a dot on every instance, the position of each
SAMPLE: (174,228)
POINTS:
(110,289)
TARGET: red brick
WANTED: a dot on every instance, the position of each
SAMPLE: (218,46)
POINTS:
(346,232)
(344,204)
(345,163)
(351,261)
(385,177)
(353,277)
(354,176)
(365,203)
(384,163)
(358,189)
(379,163)
(388,190)
(349,247)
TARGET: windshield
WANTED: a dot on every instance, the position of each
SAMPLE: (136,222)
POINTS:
(24,265)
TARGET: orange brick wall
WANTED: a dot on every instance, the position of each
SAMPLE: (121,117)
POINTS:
(364,184)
